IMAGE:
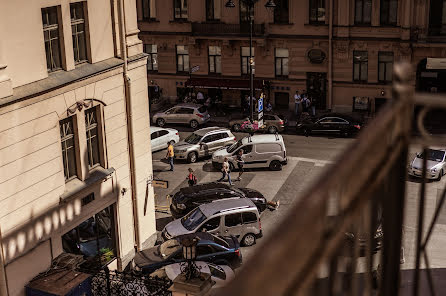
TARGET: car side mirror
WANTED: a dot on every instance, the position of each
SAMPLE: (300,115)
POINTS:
(418,154)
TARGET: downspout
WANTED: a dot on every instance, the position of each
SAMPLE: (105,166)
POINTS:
(128,108)
(3,282)
(330,57)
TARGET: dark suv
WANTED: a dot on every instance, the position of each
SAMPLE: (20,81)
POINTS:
(189,198)
(210,248)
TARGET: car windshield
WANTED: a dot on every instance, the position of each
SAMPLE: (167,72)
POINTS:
(193,139)
(435,155)
(234,146)
(193,219)
(168,248)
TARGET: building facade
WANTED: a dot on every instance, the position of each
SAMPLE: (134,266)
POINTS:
(339,52)
(75,155)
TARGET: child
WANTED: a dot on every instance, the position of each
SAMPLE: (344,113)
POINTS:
(191,178)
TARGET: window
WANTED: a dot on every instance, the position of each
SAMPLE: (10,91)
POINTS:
(360,66)
(211,224)
(154,135)
(385,66)
(244,12)
(233,220)
(152,59)
(281,12)
(245,59)
(78,32)
(180,9)
(389,10)
(91,126)
(163,133)
(215,59)
(213,10)
(182,58)
(268,148)
(51,38)
(249,217)
(363,11)
(68,148)
(148,10)
(437,17)
(317,11)
(281,62)
(185,111)
(203,250)
(95,236)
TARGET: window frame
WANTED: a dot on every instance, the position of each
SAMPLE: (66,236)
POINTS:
(246,15)
(386,4)
(212,59)
(148,5)
(361,21)
(280,11)
(57,27)
(183,14)
(316,4)
(242,57)
(276,58)
(74,23)
(214,4)
(64,138)
(153,57)
(88,137)
(361,65)
(385,64)
(182,55)
(239,214)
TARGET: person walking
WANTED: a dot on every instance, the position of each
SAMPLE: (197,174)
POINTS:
(305,103)
(240,163)
(297,104)
(170,154)
(313,102)
(225,171)
(191,178)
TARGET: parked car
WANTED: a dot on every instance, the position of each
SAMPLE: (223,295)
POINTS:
(203,142)
(189,198)
(220,274)
(258,151)
(210,248)
(334,123)
(272,123)
(190,114)
(238,217)
(436,164)
(159,137)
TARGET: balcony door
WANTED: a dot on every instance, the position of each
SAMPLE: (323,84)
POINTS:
(437,17)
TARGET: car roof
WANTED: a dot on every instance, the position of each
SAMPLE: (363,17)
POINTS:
(224,205)
(204,131)
(157,128)
(267,138)
(190,105)
(204,186)
(340,115)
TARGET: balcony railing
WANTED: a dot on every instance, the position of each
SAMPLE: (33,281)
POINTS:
(329,241)
(211,29)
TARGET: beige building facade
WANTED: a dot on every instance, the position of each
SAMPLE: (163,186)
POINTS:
(339,52)
(75,155)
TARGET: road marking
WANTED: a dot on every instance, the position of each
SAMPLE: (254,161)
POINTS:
(317,161)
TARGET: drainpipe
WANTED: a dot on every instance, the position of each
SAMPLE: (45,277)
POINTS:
(330,56)
(128,108)
(3,282)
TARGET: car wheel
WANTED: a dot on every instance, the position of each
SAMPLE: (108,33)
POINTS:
(160,122)
(272,130)
(440,174)
(236,127)
(194,124)
(192,157)
(249,240)
(275,165)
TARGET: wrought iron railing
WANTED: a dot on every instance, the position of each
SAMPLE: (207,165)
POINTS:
(344,237)
(204,29)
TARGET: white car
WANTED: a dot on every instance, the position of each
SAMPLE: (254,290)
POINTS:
(436,164)
(220,274)
(160,136)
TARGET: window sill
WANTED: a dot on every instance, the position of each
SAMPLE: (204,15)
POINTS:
(151,20)
(385,82)
(388,26)
(152,71)
(281,77)
(366,25)
(74,186)
(360,81)
(282,24)
(317,24)
(213,22)
(180,21)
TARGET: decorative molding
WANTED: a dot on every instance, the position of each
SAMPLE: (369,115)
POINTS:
(79,105)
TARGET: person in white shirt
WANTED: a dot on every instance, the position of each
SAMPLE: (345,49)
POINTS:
(225,171)
(200,97)
(297,104)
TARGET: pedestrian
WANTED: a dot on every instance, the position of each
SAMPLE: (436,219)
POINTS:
(305,103)
(200,98)
(170,154)
(297,104)
(273,205)
(240,163)
(225,171)
(269,107)
(313,106)
(191,178)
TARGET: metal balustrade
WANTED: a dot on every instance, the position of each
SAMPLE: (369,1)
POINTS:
(211,29)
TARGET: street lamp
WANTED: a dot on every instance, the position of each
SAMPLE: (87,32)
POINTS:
(250,5)
(189,268)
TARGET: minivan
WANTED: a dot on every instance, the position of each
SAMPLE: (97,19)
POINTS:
(258,151)
(238,217)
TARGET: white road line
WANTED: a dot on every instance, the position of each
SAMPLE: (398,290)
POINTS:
(317,161)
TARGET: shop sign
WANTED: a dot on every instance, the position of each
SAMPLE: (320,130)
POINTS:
(436,64)
(361,103)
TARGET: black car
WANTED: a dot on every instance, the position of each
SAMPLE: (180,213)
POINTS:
(189,198)
(210,248)
(333,123)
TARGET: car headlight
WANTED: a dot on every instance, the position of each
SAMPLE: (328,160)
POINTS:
(181,206)
(182,150)
(433,170)
(166,234)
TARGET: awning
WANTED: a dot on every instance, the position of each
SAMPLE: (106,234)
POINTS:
(242,84)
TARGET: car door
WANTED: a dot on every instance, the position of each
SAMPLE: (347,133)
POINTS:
(339,124)
(184,114)
(206,144)
(248,156)
(171,115)
(264,152)
(212,226)
(205,253)
(163,138)
(219,141)
(154,140)
(233,225)
(323,125)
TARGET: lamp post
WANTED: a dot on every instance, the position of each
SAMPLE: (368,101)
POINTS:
(189,268)
(250,5)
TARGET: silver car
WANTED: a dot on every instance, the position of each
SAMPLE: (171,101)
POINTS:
(190,114)
(203,142)
(436,164)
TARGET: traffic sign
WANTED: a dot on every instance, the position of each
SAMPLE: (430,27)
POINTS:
(260,105)
(260,123)
(260,115)
(195,69)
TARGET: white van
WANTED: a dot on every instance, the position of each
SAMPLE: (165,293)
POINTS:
(233,216)
(258,151)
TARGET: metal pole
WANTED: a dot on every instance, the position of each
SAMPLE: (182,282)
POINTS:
(251,19)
